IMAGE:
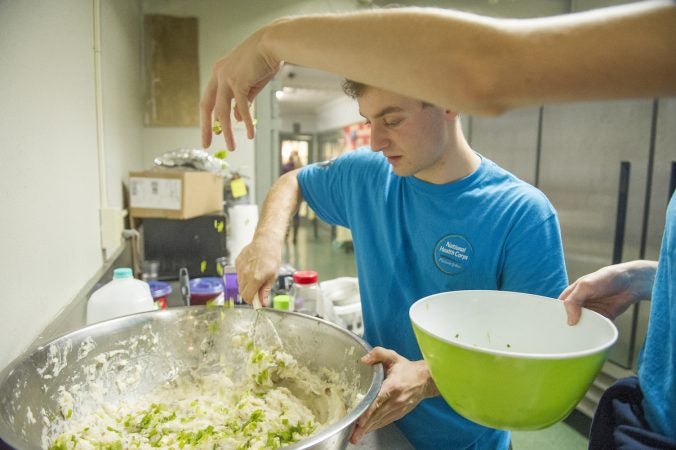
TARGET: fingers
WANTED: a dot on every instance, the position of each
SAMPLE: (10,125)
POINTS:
(574,311)
(360,431)
(222,113)
(215,106)
(242,110)
(256,274)
(206,108)
(357,434)
(383,411)
(380,355)
(406,384)
(218,101)
(571,303)
(362,425)
(264,294)
(566,292)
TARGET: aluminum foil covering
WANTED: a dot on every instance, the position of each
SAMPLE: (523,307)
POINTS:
(192,159)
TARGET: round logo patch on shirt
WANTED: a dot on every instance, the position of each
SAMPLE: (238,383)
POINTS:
(453,254)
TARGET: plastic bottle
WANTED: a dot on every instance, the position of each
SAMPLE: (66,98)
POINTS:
(122,296)
(306,293)
(282,302)
(230,286)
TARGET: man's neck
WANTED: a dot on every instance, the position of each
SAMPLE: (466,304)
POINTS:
(458,162)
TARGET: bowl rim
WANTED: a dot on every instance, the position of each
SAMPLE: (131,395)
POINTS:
(513,354)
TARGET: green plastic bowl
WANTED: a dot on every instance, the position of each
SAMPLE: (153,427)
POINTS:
(509,360)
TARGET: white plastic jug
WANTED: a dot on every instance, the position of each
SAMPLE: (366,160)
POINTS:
(122,296)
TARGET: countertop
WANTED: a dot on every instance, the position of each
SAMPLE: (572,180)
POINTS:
(389,438)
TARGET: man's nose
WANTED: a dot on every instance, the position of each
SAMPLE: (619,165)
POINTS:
(379,139)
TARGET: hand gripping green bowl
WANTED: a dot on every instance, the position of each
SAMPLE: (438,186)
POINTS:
(509,360)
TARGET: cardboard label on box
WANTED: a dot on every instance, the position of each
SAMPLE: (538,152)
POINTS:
(173,194)
(156,193)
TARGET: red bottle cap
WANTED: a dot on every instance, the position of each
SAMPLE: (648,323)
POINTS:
(305,277)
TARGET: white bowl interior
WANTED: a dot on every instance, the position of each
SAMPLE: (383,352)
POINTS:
(511,323)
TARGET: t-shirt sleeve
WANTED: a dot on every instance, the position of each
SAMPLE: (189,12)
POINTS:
(331,190)
(323,186)
(534,261)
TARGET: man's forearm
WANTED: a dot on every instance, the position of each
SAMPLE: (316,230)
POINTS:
(402,50)
(642,275)
(279,206)
(482,65)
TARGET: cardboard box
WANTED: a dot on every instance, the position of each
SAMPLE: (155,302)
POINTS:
(170,194)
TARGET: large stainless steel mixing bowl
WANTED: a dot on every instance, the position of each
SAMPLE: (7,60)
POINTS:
(153,347)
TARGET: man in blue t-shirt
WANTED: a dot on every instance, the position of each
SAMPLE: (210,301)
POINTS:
(427,215)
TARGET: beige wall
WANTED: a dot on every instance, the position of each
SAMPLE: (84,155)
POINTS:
(49,170)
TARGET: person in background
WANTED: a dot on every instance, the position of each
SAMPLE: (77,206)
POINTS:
(427,215)
(484,65)
(293,163)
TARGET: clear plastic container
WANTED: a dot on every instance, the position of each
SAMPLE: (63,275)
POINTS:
(122,296)
(306,293)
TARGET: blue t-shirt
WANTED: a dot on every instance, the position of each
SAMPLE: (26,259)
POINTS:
(489,230)
(657,367)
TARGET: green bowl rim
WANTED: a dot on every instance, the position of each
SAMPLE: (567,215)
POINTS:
(511,354)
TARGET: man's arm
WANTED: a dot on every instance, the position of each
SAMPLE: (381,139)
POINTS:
(258,263)
(464,62)
(610,290)
(482,65)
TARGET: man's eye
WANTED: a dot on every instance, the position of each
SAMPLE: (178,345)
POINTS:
(392,122)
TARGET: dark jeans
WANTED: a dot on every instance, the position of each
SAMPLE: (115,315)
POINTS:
(619,421)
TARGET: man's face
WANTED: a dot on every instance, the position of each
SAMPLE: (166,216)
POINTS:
(413,137)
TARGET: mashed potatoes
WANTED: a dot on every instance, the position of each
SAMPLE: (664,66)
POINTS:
(276,402)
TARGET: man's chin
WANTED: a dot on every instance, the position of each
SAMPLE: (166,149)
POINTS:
(401,172)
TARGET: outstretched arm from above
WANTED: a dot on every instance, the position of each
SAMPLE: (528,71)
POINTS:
(464,62)
(610,290)
(258,263)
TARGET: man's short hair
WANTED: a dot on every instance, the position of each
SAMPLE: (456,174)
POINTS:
(353,89)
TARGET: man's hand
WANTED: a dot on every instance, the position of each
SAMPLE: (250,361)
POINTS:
(240,75)
(406,384)
(610,290)
(257,266)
